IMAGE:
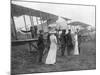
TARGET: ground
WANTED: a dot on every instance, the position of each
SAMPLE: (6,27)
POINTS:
(24,62)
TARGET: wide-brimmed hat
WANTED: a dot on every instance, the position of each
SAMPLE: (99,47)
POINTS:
(52,25)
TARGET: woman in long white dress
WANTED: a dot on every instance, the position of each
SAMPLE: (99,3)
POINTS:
(51,57)
(76,51)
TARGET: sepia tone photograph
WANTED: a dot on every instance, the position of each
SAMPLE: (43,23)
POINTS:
(52,37)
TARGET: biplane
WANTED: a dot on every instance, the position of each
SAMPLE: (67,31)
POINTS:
(48,18)
(17,11)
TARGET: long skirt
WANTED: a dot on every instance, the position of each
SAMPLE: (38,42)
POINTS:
(76,51)
(51,57)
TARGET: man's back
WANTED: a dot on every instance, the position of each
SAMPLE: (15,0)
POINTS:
(40,41)
(63,38)
(69,39)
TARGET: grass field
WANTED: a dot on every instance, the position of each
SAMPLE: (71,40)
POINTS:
(24,62)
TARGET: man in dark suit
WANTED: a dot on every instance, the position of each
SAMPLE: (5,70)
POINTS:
(63,42)
(35,31)
(69,42)
(40,45)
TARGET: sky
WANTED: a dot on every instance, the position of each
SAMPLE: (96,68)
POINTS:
(84,14)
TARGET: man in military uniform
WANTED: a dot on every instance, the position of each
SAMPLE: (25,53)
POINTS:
(40,45)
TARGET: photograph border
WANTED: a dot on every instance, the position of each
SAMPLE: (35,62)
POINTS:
(52,3)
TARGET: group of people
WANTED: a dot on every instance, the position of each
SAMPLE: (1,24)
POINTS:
(67,42)
(71,42)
